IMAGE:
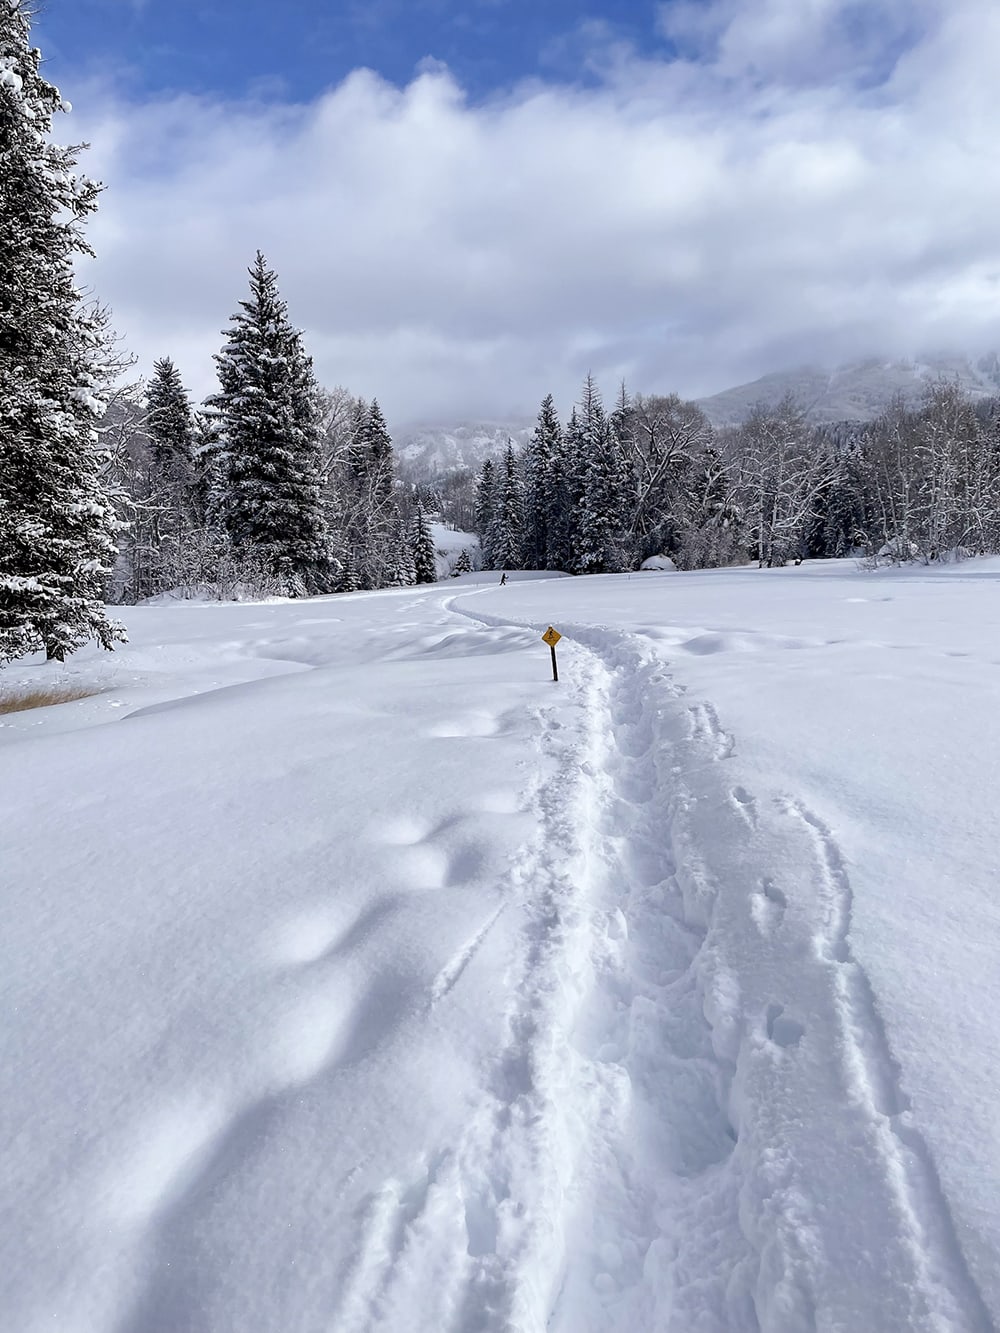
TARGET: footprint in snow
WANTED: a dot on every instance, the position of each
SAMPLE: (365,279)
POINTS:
(745,805)
(767,906)
(781,1029)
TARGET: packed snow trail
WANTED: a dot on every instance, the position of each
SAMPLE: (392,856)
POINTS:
(363,980)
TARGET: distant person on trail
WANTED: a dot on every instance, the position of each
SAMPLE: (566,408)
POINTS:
(503,578)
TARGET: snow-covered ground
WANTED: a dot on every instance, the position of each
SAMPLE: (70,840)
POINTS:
(356,976)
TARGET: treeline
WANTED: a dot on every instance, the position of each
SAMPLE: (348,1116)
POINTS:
(273,486)
(607,490)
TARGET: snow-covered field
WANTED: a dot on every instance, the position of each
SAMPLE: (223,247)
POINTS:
(356,976)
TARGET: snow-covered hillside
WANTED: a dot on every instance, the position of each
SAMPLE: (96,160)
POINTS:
(359,977)
(859,391)
(449,543)
(430,450)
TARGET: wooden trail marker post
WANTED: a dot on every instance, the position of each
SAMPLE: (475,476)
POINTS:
(552,637)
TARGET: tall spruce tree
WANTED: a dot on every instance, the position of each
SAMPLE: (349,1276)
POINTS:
(57,522)
(422,547)
(169,422)
(268,415)
(380,463)
(601,522)
(538,466)
(485,508)
(566,485)
(170,432)
(507,526)
(398,567)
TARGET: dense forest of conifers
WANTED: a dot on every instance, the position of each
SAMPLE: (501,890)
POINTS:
(607,490)
(273,486)
(598,494)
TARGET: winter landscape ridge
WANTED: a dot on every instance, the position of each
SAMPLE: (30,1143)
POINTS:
(359,977)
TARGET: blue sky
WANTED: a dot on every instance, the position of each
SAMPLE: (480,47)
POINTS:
(684,195)
(296,48)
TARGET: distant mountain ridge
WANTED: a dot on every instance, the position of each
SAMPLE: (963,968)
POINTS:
(859,391)
(856,392)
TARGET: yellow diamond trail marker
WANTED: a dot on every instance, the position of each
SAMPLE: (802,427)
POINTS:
(552,637)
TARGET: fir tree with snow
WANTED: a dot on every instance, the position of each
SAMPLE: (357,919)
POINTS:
(485,508)
(599,547)
(379,456)
(506,531)
(272,505)
(538,467)
(172,501)
(562,497)
(169,422)
(398,567)
(463,565)
(422,547)
(57,521)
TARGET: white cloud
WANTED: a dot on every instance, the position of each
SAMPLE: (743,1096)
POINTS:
(686,224)
(797,42)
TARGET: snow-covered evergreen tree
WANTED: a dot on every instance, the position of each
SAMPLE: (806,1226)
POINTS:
(170,428)
(463,565)
(839,523)
(380,467)
(272,501)
(57,522)
(422,547)
(566,483)
(170,439)
(398,569)
(538,465)
(485,509)
(507,525)
(601,523)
